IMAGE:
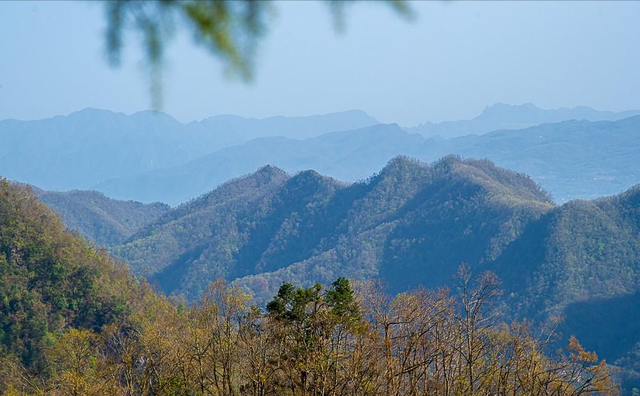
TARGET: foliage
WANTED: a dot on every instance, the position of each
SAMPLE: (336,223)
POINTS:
(417,343)
(411,225)
(74,322)
(51,280)
(228,29)
(549,258)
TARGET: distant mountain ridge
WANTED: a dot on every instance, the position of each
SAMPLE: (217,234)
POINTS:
(347,155)
(290,127)
(505,116)
(571,159)
(150,156)
(89,146)
(105,221)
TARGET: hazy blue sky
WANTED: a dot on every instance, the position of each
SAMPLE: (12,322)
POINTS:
(449,63)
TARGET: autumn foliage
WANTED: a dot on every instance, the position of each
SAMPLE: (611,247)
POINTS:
(74,322)
(314,341)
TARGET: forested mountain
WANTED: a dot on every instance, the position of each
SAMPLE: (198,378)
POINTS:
(573,159)
(307,226)
(505,116)
(103,220)
(89,146)
(75,322)
(581,261)
(411,225)
(51,281)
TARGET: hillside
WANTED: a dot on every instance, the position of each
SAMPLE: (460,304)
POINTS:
(505,116)
(87,147)
(411,225)
(106,221)
(572,159)
(75,322)
(51,280)
(270,226)
(582,261)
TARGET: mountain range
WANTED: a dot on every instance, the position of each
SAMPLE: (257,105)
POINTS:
(571,159)
(100,219)
(308,226)
(150,156)
(505,116)
(76,321)
(90,146)
(411,225)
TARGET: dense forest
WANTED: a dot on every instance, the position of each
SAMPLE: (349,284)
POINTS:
(78,323)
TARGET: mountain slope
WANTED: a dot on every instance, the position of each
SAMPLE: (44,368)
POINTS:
(74,322)
(504,116)
(581,261)
(412,225)
(309,226)
(103,220)
(573,159)
(51,280)
(204,231)
(90,146)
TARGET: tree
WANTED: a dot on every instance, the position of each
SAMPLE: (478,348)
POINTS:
(476,318)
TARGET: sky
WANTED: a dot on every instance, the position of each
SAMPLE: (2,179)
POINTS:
(449,62)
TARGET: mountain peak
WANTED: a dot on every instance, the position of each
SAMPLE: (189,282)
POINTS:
(307,184)
(498,182)
(401,163)
(310,177)
(153,115)
(89,112)
(502,106)
(508,112)
(270,171)
(266,175)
